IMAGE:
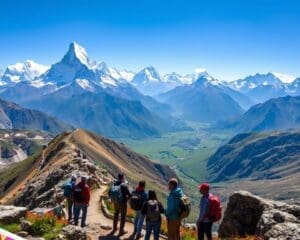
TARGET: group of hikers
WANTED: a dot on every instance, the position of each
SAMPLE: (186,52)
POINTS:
(147,208)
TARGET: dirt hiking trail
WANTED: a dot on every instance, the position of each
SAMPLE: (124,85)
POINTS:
(95,219)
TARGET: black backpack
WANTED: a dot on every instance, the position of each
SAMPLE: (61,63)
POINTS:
(78,194)
(153,213)
(136,201)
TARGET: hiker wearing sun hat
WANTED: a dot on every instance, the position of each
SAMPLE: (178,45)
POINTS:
(210,212)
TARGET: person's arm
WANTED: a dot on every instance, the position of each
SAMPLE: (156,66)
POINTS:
(144,208)
(88,195)
(125,191)
(161,208)
(203,209)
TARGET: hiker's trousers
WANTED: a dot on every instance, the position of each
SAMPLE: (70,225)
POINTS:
(70,207)
(120,208)
(138,222)
(152,227)
(78,207)
(174,229)
(205,228)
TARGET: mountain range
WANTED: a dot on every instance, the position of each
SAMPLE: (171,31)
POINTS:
(202,101)
(256,156)
(262,87)
(197,97)
(275,114)
(120,110)
(13,116)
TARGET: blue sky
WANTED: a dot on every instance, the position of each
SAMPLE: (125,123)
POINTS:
(230,38)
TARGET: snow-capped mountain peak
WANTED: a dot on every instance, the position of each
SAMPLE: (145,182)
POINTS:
(76,52)
(26,71)
(152,74)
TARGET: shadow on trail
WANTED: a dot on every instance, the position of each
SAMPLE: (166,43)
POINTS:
(111,237)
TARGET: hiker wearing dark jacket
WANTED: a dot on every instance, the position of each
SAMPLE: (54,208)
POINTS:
(152,209)
(173,210)
(139,217)
(204,224)
(68,194)
(81,197)
(121,207)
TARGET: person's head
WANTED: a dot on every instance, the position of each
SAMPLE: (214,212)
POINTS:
(84,179)
(121,177)
(173,183)
(142,184)
(152,195)
(204,188)
(73,178)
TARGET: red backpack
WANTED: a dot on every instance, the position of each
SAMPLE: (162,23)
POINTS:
(215,209)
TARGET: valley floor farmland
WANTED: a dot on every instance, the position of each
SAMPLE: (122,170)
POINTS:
(185,151)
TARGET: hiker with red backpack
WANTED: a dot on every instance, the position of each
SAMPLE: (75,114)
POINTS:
(210,212)
(152,209)
(137,200)
(81,197)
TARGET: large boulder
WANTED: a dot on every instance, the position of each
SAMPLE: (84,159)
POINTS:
(74,233)
(247,214)
(11,214)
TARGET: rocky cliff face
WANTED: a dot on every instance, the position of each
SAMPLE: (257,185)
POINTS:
(247,214)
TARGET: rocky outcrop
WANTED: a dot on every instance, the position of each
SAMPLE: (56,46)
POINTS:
(11,214)
(45,191)
(247,214)
(73,233)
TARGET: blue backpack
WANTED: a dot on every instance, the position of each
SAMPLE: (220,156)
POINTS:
(115,193)
(68,189)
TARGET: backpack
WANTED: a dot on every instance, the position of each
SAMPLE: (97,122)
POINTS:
(68,188)
(136,201)
(215,209)
(115,193)
(153,213)
(184,207)
(78,194)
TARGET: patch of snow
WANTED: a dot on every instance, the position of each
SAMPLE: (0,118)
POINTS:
(107,80)
(27,71)
(285,78)
(80,53)
(85,84)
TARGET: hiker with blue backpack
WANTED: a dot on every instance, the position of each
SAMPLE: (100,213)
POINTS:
(137,200)
(68,194)
(119,194)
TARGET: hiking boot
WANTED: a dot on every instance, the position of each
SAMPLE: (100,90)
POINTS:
(113,232)
(138,236)
(122,232)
